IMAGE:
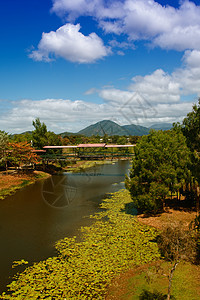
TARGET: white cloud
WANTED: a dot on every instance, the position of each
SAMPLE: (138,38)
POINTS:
(164,26)
(91,91)
(180,38)
(189,76)
(115,95)
(58,114)
(65,115)
(158,87)
(69,43)
(156,97)
(97,8)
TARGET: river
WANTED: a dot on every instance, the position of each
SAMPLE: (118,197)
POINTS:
(33,219)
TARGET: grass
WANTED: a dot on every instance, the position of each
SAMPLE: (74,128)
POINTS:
(9,184)
(136,284)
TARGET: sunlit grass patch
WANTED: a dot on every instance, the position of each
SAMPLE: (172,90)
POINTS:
(145,283)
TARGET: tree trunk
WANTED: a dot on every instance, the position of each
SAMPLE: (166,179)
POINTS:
(170,279)
(197,201)
(6,167)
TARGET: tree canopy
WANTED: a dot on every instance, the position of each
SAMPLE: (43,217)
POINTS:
(21,153)
(4,138)
(160,166)
(191,127)
(39,135)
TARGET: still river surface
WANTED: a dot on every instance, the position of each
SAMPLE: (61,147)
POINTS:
(33,219)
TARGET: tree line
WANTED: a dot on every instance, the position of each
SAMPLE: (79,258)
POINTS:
(166,170)
(18,149)
(167,166)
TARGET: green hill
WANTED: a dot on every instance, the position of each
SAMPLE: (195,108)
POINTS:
(161,126)
(103,127)
(111,128)
(136,130)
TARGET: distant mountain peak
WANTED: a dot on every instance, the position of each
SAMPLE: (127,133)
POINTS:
(111,128)
(161,126)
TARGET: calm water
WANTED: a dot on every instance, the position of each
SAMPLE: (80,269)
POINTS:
(36,217)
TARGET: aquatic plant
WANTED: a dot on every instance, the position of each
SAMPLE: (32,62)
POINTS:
(83,269)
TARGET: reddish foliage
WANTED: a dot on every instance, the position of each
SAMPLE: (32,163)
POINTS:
(21,153)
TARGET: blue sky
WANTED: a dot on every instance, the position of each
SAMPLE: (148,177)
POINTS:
(73,63)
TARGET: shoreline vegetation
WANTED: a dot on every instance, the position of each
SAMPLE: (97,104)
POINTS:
(12,182)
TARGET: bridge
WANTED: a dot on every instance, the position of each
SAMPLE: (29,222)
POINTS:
(87,152)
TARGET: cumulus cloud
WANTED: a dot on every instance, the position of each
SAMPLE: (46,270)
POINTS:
(58,114)
(189,76)
(97,8)
(65,115)
(161,87)
(180,38)
(158,87)
(164,26)
(69,43)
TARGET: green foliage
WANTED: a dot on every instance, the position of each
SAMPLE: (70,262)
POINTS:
(191,130)
(23,137)
(191,127)
(83,270)
(4,139)
(17,263)
(39,134)
(160,166)
(42,137)
(147,295)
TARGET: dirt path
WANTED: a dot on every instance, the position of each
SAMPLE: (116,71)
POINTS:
(168,217)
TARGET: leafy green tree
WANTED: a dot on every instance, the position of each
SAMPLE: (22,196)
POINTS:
(191,127)
(23,137)
(4,139)
(39,134)
(160,166)
(134,139)
(53,139)
(191,130)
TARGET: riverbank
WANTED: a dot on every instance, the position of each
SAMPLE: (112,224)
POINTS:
(11,182)
(115,242)
(83,165)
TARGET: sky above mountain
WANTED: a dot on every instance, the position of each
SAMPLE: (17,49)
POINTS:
(74,63)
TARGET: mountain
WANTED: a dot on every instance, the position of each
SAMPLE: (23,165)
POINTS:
(161,126)
(136,130)
(111,128)
(103,127)
(66,133)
